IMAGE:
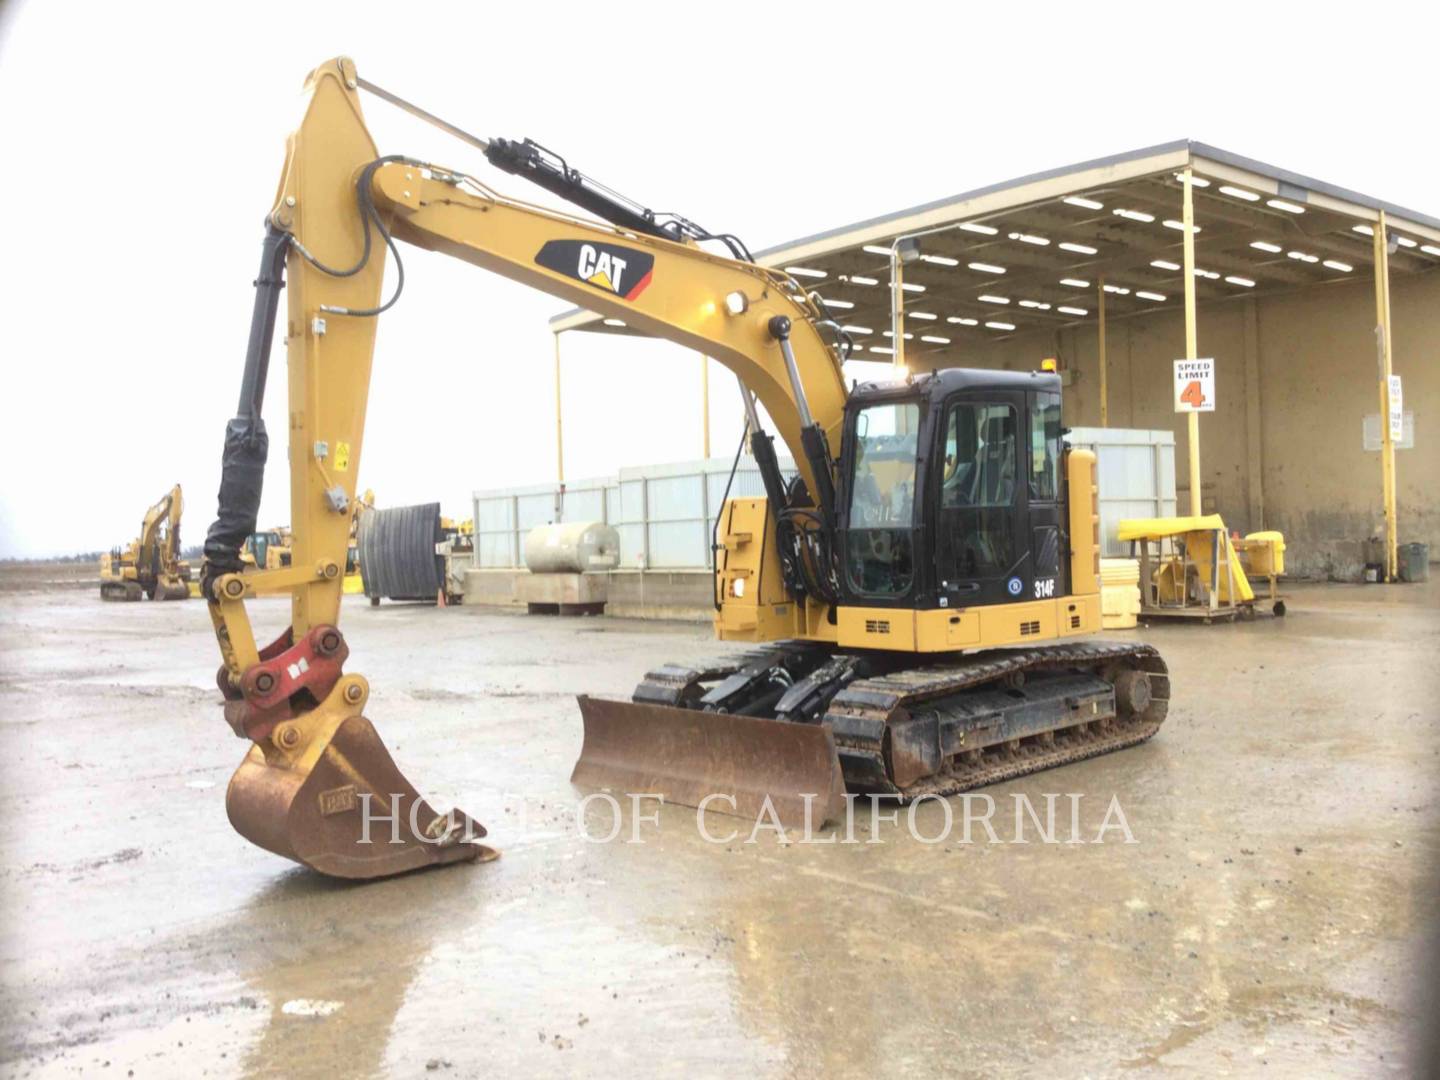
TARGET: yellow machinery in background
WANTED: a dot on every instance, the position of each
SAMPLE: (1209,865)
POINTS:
(269,549)
(930,518)
(1190,567)
(149,565)
(354,584)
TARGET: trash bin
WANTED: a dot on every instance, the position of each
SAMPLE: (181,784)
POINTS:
(1414,562)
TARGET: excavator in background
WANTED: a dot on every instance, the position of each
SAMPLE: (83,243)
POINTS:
(268,549)
(150,565)
(916,600)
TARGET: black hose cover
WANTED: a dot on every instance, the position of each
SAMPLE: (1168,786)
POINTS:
(242,476)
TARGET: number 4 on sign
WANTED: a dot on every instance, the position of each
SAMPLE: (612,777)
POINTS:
(1195,385)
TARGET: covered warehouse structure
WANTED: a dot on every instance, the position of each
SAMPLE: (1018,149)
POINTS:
(1086,265)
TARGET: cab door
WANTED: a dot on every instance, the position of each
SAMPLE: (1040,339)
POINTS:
(982,542)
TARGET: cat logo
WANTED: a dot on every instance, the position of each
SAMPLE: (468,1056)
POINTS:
(620,271)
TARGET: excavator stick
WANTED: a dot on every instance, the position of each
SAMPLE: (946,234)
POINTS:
(716,761)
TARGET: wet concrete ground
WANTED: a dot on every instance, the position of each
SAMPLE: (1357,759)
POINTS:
(1270,917)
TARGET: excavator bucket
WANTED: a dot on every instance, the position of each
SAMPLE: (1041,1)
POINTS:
(171,589)
(732,764)
(349,812)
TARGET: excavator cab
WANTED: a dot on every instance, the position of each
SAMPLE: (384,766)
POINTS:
(951,491)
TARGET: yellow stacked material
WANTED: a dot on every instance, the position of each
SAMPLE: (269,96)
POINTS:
(1199,534)
(1119,593)
(352,585)
(1264,553)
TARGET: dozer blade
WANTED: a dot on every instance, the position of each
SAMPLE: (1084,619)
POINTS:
(319,816)
(731,764)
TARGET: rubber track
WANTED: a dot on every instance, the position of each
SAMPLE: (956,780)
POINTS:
(882,696)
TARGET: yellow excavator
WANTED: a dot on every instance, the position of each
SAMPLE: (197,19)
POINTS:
(150,565)
(917,599)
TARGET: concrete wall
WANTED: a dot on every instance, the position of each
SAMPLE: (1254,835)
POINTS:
(1295,376)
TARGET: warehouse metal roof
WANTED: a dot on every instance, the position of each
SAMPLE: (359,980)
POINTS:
(1031,253)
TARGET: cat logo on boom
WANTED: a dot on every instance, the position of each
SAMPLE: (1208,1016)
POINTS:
(620,271)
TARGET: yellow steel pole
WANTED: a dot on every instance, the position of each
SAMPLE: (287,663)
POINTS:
(1192,418)
(559,432)
(897,308)
(1383,346)
(705,403)
(1104,364)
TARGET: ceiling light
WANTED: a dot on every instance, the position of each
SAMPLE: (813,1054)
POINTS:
(1236,280)
(845,304)
(986,268)
(1162,264)
(908,336)
(983,230)
(1135,215)
(1072,310)
(1179,226)
(1211,274)
(1363,230)
(934,340)
(856,279)
(1405,241)
(1036,304)
(1074,283)
(960,320)
(1430,249)
(882,349)
(1303,256)
(921,315)
(876,249)
(862,330)
(987,298)
(910,286)
(1118,290)
(1239,193)
(1262,245)
(1288,207)
(1085,204)
(614,322)
(1027,238)
(1000,325)
(1144,295)
(1336,264)
(940,260)
(805,271)
(1195,181)
(1079,249)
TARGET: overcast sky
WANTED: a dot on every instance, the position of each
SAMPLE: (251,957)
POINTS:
(141,144)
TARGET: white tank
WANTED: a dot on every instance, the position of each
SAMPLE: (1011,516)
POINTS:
(580,547)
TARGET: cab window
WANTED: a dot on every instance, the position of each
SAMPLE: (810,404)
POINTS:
(880,557)
(1045,448)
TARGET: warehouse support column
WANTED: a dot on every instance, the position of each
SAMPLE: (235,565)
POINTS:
(559,433)
(705,404)
(1254,446)
(1192,418)
(1383,348)
(1104,361)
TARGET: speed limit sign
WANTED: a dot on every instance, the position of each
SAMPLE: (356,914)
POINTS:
(1195,385)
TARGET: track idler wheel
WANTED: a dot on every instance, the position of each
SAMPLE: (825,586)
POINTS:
(1132,692)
